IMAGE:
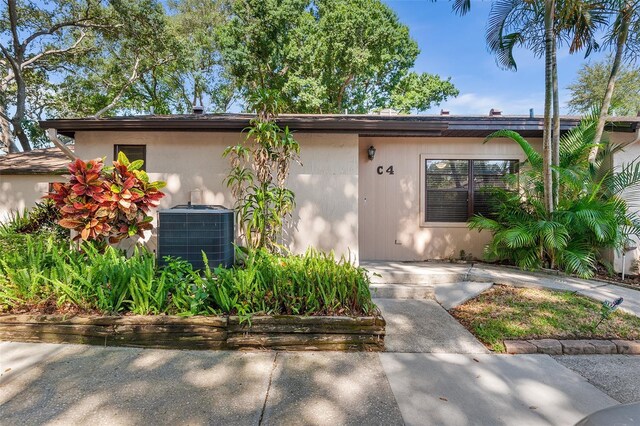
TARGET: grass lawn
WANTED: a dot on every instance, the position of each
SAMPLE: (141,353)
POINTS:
(504,313)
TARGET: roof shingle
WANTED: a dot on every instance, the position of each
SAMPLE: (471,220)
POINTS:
(47,161)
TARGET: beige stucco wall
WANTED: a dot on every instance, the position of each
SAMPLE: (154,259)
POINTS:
(20,192)
(326,185)
(390,205)
(630,153)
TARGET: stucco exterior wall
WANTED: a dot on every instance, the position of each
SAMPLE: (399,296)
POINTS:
(326,184)
(630,153)
(20,192)
(391,226)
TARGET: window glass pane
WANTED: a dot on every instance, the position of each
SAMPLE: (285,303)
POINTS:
(493,167)
(447,187)
(491,174)
(447,166)
(133,152)
(447,206)
(447,174)
(483,203)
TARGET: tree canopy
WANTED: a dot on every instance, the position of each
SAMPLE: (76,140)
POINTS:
(77,57)
(70,58)
(328,56)
(587,91)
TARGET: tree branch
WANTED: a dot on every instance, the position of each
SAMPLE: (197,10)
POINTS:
(342,90)
(49,31)
(34,58)
(13,22)
(132,78)
(11,59)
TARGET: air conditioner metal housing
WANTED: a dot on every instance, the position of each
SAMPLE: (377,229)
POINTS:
(186,231)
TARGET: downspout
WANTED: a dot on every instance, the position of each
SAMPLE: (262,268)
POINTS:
(52,134)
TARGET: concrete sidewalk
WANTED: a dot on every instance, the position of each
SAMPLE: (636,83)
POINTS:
(456,389)
(70,384)
(78,385)
(435,372)
(432,276)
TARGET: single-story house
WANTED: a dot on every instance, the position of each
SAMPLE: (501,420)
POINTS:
(361,189)
(25,177)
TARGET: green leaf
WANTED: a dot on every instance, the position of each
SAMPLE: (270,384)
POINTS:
(136,165)
(122,158)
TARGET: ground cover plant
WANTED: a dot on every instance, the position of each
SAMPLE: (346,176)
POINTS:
(505,312)
(42,273)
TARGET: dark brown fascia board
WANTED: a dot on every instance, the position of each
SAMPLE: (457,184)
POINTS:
(361,124)
(23,171)
(333,124)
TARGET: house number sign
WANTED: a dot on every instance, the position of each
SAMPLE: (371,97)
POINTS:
(382,171)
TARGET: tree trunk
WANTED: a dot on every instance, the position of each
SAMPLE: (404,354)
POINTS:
(21,86)
(555,137)
(20,113)
(6,138)
(625,17)
(548,100)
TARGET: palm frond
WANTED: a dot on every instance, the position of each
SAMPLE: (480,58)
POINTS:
(480,223)
(519,237)
(578,259)
(534,158)
(626,179)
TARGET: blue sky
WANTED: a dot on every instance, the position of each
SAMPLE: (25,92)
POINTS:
(454,46)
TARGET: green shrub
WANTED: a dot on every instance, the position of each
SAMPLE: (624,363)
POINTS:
(591,215)
(40,270)
(314,283)
(42,218)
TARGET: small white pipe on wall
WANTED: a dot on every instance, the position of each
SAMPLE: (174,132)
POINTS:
(52,134)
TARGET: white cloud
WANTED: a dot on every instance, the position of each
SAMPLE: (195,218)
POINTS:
(481,104)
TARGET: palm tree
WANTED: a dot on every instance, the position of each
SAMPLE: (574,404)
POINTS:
(540,26)
(627,22)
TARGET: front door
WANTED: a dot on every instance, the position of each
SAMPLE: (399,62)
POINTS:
(387,201)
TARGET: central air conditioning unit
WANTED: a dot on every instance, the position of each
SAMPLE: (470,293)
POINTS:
(186,231)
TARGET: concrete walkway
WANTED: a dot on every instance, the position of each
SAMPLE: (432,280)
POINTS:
(423,326)
(433,277)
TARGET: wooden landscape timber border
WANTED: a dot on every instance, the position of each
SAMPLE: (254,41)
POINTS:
(284,332)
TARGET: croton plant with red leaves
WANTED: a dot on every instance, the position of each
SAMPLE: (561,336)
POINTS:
(106,203)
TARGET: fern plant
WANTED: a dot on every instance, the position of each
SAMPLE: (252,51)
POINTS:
(592,215)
